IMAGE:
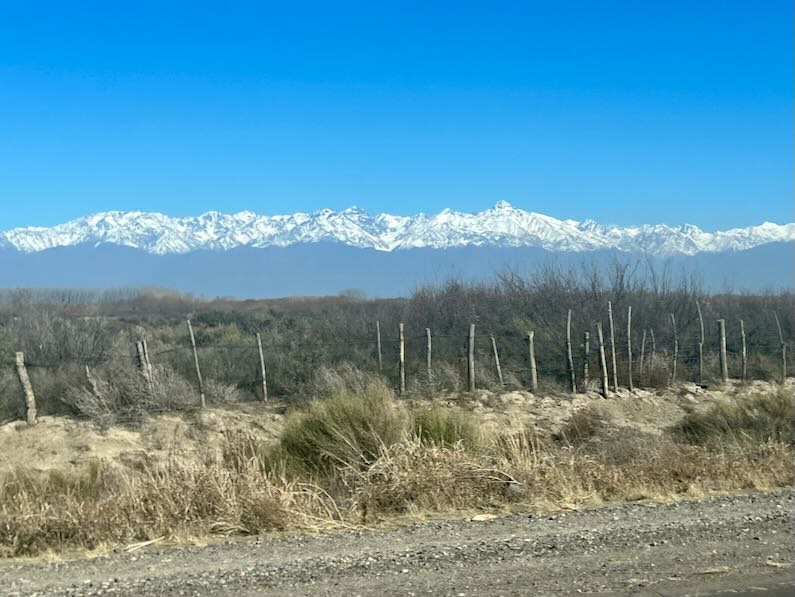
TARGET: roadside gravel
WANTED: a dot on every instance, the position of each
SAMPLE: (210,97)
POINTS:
(683,548)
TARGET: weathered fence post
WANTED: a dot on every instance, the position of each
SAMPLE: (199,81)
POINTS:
(143,366)
(27,388)
(148,363)
(743,352)
(262,369)
(724,365)
(497,360)
(642,355)
(196,364)
(378,344)
(783,349)
(700,345)
(471,358)
(612,344)
(602,361)
(428,364)
(652,357)
(533,371)
(630,385)
(92,383)
(676,349)
(586,353)
(569,356)
(402,364)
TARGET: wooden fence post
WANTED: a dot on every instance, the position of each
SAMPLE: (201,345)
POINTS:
(652,357)
(471,358)
(783,349)
(630,385)
(700,345)
(724,365)
(497,360)
(92,383)
(428,363)
(196,364)
(27,388)
(146,359)
(143,366)
(642,355)
(569,357)
(612,344)
(262,369)
(586,354)
(602,361)
(743,352)
(378,344)
(402,363)
(676,349)
(533,371)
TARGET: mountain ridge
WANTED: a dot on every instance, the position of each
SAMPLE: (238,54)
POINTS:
(499,226)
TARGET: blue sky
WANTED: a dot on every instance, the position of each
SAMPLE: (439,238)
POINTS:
(626,112)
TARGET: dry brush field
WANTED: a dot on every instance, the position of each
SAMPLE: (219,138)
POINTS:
(364,457)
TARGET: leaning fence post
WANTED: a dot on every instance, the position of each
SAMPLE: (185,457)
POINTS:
(602,361)
(92,382)
(27,388)
(533,371)
(262,369)
(146,359)
(630,385)
(612,344)
(743,351)
(428,364)
(642,355)
(569,357)
(676,349)
(783,349)
(196,363)
(724,365)
(471,358)
(497,360)
(402,341)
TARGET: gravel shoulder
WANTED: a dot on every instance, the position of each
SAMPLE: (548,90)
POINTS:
(694,547)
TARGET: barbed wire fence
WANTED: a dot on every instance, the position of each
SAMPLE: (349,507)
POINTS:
(420,361)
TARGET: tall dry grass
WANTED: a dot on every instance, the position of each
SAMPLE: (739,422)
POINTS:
(361,455)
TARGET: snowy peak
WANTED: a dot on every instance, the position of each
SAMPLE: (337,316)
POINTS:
(499,226)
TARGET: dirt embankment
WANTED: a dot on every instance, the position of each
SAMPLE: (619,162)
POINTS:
(63,443)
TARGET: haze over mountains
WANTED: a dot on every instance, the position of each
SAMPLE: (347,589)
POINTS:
(246,254)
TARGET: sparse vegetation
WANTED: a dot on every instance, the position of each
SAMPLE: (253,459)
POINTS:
(361,455)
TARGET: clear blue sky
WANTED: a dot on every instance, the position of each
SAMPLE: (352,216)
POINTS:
(626,112)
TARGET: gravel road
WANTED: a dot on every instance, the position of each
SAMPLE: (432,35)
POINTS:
(715,546)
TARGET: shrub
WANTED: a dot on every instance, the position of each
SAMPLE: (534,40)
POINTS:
(447,426)
(123,396)
(758,418)
(349,429)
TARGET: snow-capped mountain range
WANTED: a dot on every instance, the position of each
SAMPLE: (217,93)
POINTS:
(500,226)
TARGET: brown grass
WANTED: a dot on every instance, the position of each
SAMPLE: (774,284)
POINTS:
(368,459)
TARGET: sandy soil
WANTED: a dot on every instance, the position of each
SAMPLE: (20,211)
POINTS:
(63,443)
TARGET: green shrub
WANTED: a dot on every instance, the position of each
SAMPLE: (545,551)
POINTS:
(446,426)
(349,429)
(760,418)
